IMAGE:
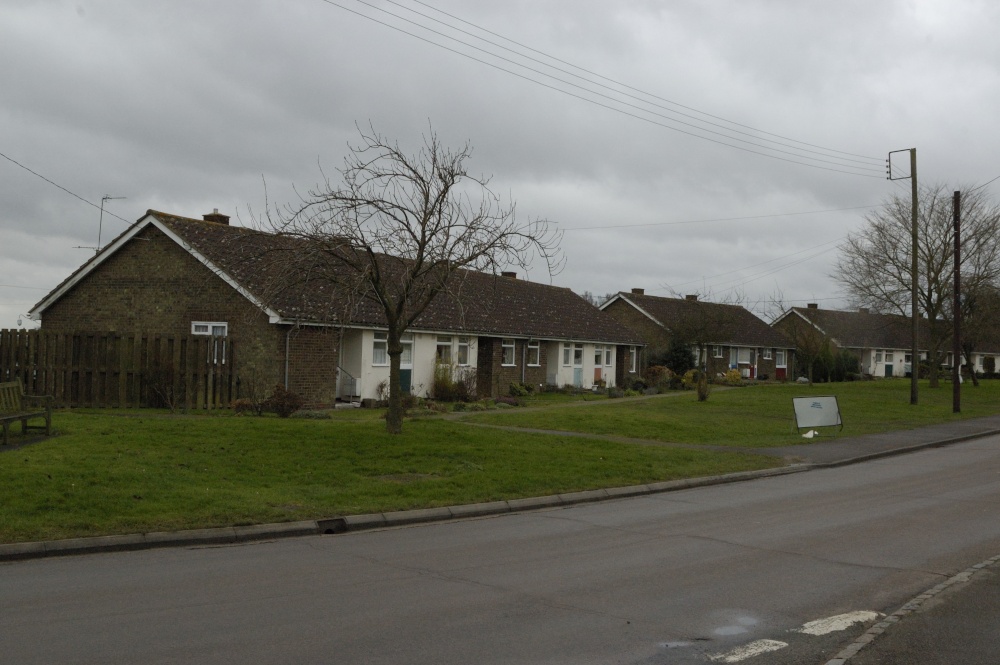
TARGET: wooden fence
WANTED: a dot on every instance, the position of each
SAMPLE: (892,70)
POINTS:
(121,370)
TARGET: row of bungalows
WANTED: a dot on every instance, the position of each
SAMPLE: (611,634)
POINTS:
(176,275)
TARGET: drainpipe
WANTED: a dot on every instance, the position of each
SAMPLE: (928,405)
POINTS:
(287,342)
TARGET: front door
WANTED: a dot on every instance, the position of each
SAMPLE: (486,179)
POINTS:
(888,370)
(578,365)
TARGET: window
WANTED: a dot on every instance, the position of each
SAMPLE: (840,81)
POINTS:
(631,359)
(406,359)
(534,353)
(567,348)
(598,355)
(716,351)
(767,352)
(380,349)
(878,356)
(578,355)
(743,355)
(443,353)
(608,355)
(463,351)
(888,354)
(779,358)
(507,360)
(213,328)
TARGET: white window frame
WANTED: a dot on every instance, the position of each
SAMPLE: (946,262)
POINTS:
(443,342)
(609,356)
(889,357)
(578,355)
(567,354)
(716,351)
(534,353)
(463,348)
(508,344)
(779,358)
(767,354)
(878,356)
(598,355)
(380,342)
(209,328)
(632,358)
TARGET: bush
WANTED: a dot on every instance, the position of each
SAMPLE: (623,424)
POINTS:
(284,402)
(678,358)
(733,377)
(244,406)
(509,401)
(689,379)
(519,390)
(453,384)
(660,377)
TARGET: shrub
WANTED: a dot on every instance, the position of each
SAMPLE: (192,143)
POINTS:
(632,393)
(453,384)
(244,406)
(284,402)
(733,377)
(689,379)
(519,390)
(509,401)
(660,377)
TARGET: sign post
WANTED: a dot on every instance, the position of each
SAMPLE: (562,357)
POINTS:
(818,411)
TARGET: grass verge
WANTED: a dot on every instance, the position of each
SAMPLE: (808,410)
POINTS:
(759,416)
(139,472)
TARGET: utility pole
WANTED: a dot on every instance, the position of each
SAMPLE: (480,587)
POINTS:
(956,344)
(914,266)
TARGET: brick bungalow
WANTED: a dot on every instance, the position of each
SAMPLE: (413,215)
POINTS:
(177,275)
(881,342)
(728,336)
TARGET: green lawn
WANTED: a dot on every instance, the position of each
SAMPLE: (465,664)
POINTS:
(123,472)
(759,416)
(113,473)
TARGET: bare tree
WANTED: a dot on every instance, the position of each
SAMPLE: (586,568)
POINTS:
(874,263)
(980,313)
(400,230)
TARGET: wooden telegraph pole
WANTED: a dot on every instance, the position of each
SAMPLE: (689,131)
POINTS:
(914,266)
(956,344)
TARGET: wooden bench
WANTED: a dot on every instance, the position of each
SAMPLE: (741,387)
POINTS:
(15,405)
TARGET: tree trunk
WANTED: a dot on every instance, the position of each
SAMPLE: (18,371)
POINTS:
(394,416)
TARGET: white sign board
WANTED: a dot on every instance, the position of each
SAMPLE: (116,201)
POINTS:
(819,411)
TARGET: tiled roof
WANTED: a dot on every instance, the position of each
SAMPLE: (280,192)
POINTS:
(484,304)
(863,330)
(724,324)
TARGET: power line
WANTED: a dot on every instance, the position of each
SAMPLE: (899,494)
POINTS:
(55,184)
(618,83)
(17,286)
(595,102)
(719,219)
(983,185)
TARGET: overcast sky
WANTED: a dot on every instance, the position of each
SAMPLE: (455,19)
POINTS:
(790,110)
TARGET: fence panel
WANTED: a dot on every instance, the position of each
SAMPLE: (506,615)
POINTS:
(121,370)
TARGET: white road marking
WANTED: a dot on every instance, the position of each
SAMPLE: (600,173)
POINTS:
(748,651)
(835,623)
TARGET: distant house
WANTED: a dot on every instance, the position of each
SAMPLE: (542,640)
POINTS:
(177,275)
(727,336)
(881,342)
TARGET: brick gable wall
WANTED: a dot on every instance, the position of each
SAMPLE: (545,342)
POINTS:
(151,285)
(493,379)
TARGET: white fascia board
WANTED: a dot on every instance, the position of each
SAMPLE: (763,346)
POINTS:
(458,333)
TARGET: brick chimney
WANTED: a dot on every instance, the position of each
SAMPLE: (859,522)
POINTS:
(812,305)
(639,292)
(692,296)
(216,216)
(510,274)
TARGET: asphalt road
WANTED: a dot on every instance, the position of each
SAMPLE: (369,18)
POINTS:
(693,576)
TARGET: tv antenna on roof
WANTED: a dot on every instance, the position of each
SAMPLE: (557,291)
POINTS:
(100,223)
